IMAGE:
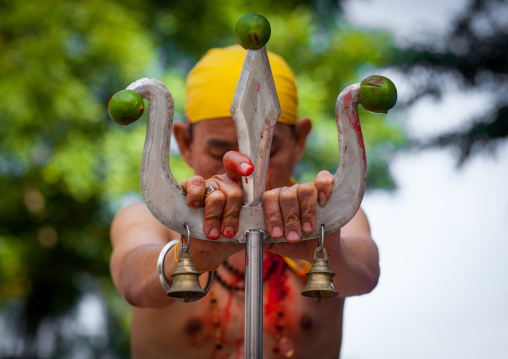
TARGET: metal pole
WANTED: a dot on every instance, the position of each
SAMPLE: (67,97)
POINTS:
(254,295)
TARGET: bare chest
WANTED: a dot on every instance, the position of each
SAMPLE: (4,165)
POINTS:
(293,325)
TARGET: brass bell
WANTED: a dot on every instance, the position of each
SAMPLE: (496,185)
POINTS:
(186,279)
(320,283)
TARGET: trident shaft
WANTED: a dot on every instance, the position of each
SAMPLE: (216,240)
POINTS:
(255,110)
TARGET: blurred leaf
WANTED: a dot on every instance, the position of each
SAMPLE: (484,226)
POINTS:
(472,57)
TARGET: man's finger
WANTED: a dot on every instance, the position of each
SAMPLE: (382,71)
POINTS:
(290,209)
(214,205)
(273,217)
(237,165)
(233,195)
(195,187)
(324,184)
(307,197)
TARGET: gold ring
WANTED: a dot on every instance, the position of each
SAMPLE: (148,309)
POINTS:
(210,189)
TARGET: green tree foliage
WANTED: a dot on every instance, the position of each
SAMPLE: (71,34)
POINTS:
(473,56)
(65,168)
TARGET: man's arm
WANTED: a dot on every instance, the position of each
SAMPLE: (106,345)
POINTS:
(353,257)
(137,239)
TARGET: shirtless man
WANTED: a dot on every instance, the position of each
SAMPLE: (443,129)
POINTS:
(213,327)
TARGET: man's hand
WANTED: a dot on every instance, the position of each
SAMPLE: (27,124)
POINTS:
(222,208)
(288,211)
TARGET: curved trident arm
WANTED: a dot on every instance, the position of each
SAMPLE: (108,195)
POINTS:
(166,199)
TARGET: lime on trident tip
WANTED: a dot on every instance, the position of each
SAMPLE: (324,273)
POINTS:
(252,31)
(126,107)
(377,94)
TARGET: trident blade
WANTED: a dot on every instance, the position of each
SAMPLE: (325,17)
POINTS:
(255,110)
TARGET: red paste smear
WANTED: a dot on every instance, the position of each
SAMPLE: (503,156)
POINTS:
(228,233)
(226,314)
(269,127)
(277,292)
(376,80)
(354,122)
(258,87)
(238,348)
(232,161)
(255,38)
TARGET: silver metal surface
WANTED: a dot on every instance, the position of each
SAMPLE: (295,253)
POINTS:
(166,198)
(186,249)
(254,295)
(255,110)
(160,264)
(321,240)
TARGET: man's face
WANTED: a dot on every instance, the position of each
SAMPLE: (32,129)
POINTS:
(211,139)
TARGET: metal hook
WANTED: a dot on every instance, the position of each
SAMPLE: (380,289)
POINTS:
(185,249)
(321,240)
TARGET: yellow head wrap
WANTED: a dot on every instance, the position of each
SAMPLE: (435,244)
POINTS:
(211,85)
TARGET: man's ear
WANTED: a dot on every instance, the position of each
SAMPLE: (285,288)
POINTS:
(302,130)
(182,136)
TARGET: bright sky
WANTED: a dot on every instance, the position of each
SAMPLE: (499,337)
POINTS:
(443,291)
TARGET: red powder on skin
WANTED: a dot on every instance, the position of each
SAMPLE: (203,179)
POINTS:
(226,315)
(232,161)
(238,348)
(228,233)
(277,292)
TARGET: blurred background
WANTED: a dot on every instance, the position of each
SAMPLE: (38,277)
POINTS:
(437,163)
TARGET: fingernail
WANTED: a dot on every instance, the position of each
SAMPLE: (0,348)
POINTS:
(245,168)
(292,237)
(195,204)
(277,232)
(307,227)
(229,231)
(214,233)
(322,199)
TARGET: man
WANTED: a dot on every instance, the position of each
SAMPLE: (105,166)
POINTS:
(213,327)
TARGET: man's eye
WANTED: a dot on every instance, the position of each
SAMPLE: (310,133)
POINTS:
(217,156)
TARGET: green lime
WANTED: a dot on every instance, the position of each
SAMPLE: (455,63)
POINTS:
(125,107)
(252,31)
(377,94)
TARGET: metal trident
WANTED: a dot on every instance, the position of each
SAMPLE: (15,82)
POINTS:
(255,110)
